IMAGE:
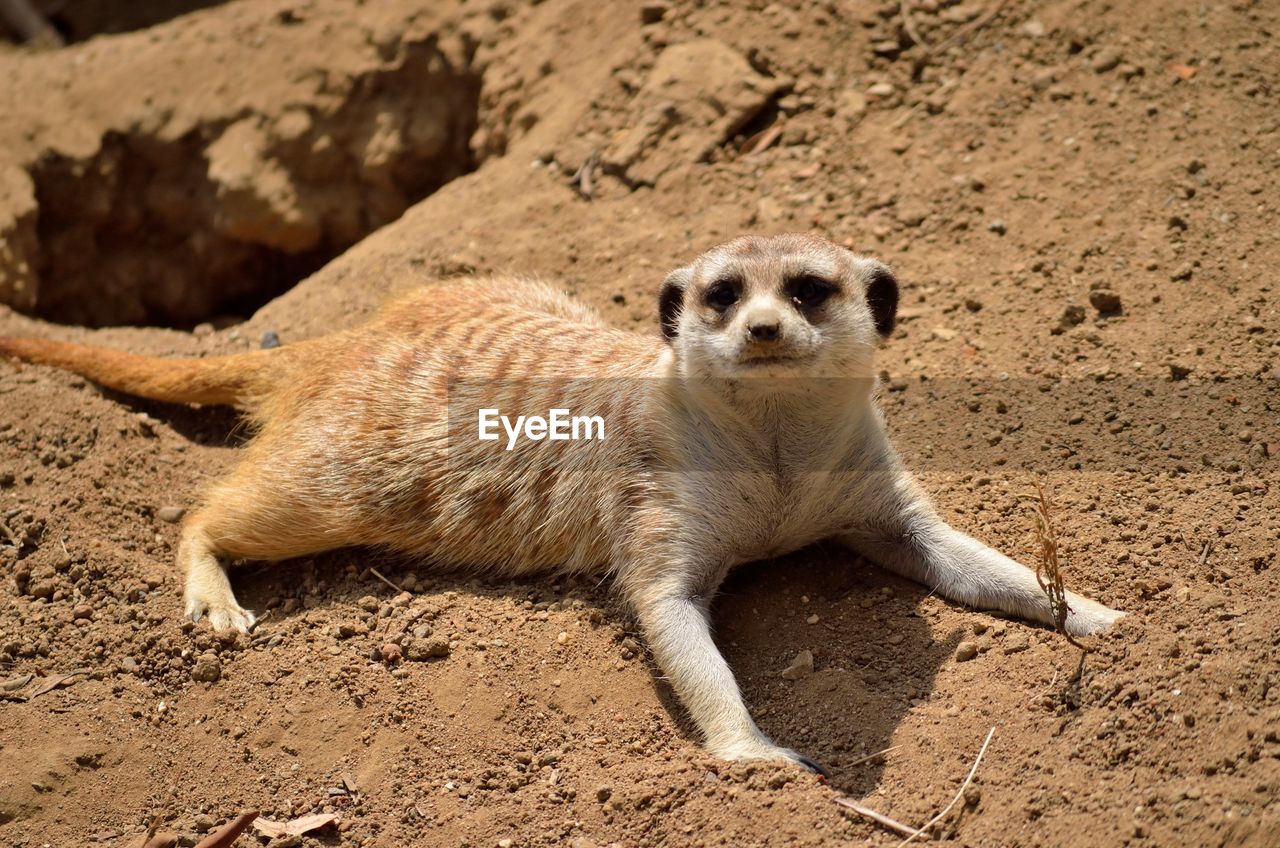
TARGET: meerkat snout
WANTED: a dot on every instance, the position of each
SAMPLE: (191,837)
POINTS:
(764,324)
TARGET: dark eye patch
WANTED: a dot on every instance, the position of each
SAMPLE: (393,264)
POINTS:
(809,291)
(723,293)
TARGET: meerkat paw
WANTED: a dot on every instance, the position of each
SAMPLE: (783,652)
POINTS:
(767,751)
(223,613)
(1087,617)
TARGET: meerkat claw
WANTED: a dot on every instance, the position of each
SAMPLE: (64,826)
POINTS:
(813,766)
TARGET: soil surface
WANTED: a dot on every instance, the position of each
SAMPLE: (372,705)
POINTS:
(1081,199)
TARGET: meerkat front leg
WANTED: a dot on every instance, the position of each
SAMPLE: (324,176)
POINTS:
(901,531)
(676,624)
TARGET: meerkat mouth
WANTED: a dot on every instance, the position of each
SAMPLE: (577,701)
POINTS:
(775,359)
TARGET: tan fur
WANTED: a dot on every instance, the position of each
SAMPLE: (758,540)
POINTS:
(751,432)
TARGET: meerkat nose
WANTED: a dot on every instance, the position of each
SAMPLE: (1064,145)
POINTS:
(763,332)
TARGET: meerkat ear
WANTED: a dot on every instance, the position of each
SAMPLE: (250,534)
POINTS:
(882,297)
(671,301)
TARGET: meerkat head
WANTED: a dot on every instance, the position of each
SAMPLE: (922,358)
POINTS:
(791,305)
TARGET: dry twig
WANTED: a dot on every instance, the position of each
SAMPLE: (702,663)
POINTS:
(378,574)
(869,757)
(1048,570)
(909,25)
(879,818)
(225,835)
(963,786)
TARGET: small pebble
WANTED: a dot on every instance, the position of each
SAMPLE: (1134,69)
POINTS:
(270,339)
(1016,644)
(427,649)
(207,669)
(171,514)
(801,667)
(391,653)
(966,651)
(1104,300)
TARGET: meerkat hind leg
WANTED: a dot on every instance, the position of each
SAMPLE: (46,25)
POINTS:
(208,591)
(253,516)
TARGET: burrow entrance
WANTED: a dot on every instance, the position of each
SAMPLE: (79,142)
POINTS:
(215,223)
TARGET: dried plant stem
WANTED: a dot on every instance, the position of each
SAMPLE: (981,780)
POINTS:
(378,574)
(868,757)
(1048,570)
(963,786)
(879,818)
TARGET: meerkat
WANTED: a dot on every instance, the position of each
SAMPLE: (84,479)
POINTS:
(747,429)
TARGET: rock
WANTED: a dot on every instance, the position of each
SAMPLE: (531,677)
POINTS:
(604,793)
(966,651)
(851,106)
(1182,272)
(1072,315)
(1034,27)
(207,669)
(391,653)
(435,647)
(352,628)
(911,215)
(1178,371)
(41,589)
(1016,644)
(82,611)
(972,304)
(881,90)
(369,603)
(998,227)
(270,339)
(1106,59)
(706,89)
(1105,301)
(171,514)
(801,667)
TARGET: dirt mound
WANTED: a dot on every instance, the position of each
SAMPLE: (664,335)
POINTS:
(187,199)
(1080,202)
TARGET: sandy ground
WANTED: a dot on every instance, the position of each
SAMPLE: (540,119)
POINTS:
(1081,201)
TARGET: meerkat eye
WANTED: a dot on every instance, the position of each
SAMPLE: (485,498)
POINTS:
(809,291)
(722,294)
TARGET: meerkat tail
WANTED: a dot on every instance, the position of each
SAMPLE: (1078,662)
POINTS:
(228,380)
